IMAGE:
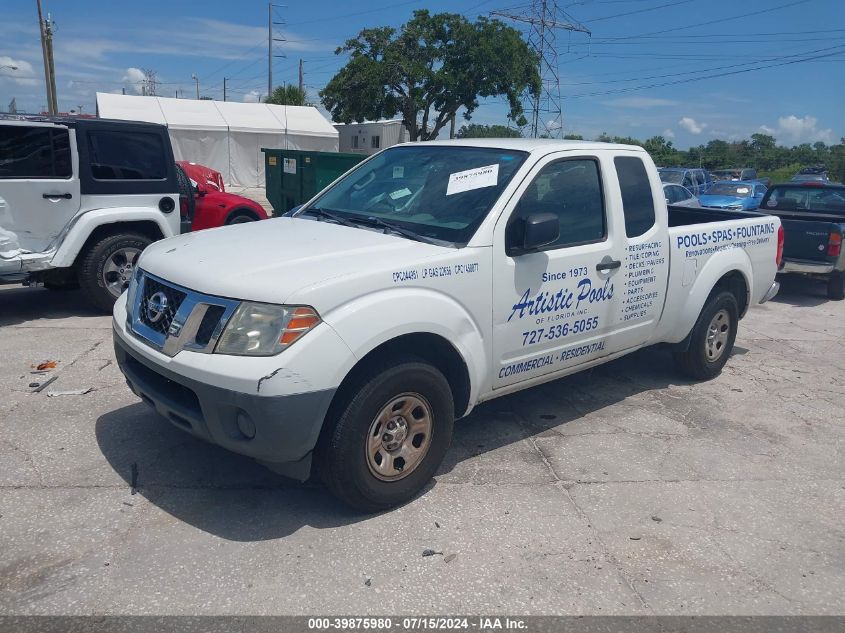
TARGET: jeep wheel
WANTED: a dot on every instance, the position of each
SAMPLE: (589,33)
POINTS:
(107,267)
(836,286)
(712,338)
(390,436)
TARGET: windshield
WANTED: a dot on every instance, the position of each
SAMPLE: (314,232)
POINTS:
(804,198)
(673,177)
(437,192)
(727,173)
(730,189)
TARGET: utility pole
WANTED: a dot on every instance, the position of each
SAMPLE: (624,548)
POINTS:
(270,39)
(544,17)
(452,126)
(301,77)
(224,88)
(197,80)
(45,27)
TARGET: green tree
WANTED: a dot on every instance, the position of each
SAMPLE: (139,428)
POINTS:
(433,66)
(288,95)
(475,130)
(573,137)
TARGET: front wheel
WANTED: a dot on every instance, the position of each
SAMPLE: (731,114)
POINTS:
(107,267)
(836,286)
(712,338)
(390,437)
(239,217)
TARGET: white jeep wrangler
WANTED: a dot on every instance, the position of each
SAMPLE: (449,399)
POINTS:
(80,199)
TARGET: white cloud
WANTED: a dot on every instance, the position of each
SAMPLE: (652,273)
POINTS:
(252,96)
(134,79)
(691,125)
(668,133)
(640,102)
(799,130)
(22,74)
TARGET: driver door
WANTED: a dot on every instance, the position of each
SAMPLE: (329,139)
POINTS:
(556,308)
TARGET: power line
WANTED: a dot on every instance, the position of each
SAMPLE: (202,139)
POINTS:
(621,15)
(716,75)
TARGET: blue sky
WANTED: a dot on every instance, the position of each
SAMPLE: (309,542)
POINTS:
(650,67)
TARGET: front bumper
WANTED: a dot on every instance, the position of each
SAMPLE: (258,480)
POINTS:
(279,431)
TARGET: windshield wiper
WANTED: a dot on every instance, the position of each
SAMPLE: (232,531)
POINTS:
(398,230)
(329,215)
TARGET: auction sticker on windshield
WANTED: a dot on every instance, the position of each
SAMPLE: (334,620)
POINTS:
(470,179)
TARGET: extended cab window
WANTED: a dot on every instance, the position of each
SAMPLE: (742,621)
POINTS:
(126,155)
(637,200)
(571,190)
(34,152)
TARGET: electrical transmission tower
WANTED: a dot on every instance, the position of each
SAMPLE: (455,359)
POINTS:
(545,18)
(148,84)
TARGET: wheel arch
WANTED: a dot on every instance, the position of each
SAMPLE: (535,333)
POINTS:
(241,211)
(430,347)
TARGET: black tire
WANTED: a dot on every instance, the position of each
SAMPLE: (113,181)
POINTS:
(695,361)
(239,217)
(342,457)
(836,286)
(93,262)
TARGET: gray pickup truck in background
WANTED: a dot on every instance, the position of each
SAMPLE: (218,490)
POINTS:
(813,219)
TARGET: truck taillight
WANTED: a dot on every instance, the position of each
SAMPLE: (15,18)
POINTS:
(779,254)
(834,245)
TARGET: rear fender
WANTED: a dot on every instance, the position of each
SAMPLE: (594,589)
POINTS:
(718,265)
(72,239)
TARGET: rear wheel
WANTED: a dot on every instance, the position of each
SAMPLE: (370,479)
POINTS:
(107,267)
(390,435)
(836,286)
(712,338)
(239,217)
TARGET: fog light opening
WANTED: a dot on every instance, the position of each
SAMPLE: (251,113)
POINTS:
(245,425)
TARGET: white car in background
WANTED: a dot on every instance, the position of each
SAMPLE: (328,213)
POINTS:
(680,196)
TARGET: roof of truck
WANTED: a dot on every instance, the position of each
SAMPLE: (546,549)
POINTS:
(69,121)
(533,144)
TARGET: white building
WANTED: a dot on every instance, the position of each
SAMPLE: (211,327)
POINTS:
(226,135)
(370,136)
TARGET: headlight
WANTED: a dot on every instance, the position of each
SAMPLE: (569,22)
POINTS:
(133,288)
(264,329)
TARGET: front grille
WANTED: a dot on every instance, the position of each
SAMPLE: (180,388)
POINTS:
(149,314)
(209,323)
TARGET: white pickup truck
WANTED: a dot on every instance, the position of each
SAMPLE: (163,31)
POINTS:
(430,278)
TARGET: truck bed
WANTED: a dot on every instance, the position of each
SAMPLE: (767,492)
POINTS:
(808,233)
(685,216)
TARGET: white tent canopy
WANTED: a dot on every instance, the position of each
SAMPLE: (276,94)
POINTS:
(226,135)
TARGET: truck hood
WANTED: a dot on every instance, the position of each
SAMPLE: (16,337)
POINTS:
(270,260)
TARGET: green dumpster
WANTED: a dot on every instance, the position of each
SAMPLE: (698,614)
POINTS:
(293,176)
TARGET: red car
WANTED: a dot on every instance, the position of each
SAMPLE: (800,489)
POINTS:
(213,206)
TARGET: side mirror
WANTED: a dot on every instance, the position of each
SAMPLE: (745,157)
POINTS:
(201,190)
(541,229)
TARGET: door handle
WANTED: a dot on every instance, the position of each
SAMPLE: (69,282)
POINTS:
(56,196)
(605,266)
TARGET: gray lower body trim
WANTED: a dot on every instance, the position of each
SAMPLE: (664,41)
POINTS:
(806,267)
(281,431)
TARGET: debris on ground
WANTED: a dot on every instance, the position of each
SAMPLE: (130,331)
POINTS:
(635,538)
(436,524)
(656,518)
(70,392)
(44,384)
(34,384)
(430,552)
(368,582)
(449,558)
(47,364)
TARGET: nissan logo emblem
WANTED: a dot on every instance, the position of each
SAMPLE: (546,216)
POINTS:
(157,306)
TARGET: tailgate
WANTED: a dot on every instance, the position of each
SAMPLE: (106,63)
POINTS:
(807,240)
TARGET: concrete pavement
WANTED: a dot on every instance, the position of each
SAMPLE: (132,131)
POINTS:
(623,490)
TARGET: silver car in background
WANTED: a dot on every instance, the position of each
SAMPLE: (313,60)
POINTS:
(679,196)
